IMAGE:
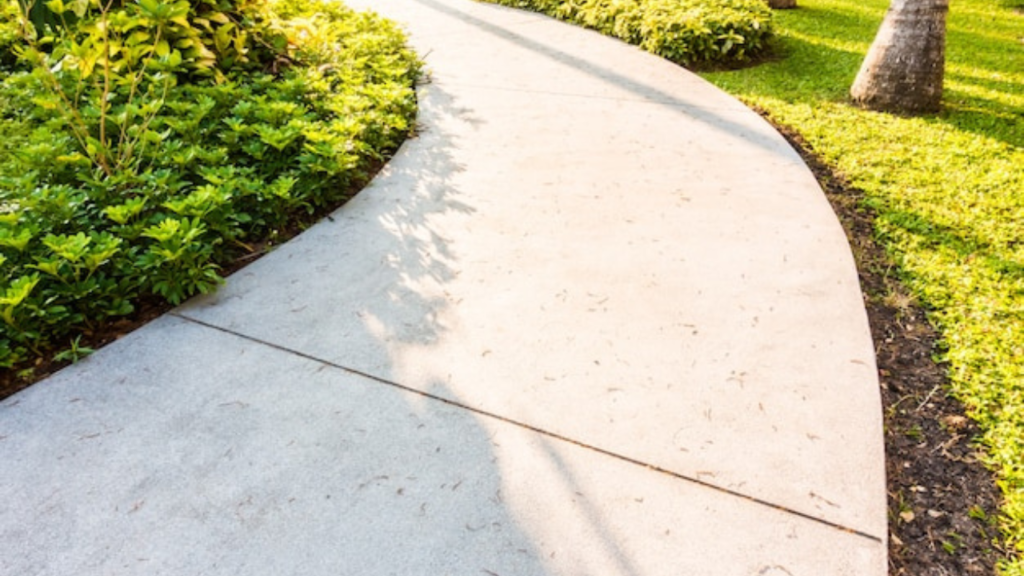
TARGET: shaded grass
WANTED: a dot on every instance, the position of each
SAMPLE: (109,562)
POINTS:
(948,191)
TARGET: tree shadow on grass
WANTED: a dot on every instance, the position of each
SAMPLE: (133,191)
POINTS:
(815,58)
(815,55)
(965,246)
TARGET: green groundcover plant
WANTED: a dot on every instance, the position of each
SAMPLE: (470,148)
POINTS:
(9,33)
(947,191)
(689,32)
(148,142)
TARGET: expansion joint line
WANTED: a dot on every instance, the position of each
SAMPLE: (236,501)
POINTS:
(531,428)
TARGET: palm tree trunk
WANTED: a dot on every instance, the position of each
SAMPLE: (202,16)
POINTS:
(782,3)
(904,68)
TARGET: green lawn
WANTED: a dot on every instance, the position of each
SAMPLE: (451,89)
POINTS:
(948,191)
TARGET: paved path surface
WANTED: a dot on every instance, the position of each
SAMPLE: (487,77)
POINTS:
(598,319)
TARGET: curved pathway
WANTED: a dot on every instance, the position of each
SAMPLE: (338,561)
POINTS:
(597,318)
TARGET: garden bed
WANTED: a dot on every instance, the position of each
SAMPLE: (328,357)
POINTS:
(190,138)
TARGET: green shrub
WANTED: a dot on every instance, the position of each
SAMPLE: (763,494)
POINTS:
(142,175)
(689,32)
(9,33)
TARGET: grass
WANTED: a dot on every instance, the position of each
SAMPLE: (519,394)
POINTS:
(947,191)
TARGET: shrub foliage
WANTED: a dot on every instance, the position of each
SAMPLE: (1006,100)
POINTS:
(148,142)
(689,32)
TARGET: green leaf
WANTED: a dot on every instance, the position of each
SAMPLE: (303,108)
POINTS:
(163,231)
(79,7)
(56,6)
(47,101)
(149,6)
(71,248)
(19,290)
(104,246)
(174,59)
(138,37)
(50,266)
(17,240)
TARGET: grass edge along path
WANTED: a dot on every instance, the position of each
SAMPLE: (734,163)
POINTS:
(946,191)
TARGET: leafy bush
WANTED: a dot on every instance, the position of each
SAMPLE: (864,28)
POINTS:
(141,173)
(9,33)
(689,32)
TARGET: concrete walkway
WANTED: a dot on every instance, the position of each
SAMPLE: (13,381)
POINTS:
(596,319)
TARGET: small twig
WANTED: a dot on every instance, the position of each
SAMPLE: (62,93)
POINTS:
(927,398)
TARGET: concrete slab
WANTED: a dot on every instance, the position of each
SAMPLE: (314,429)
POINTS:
(597,318)
(186,450)
(638,264)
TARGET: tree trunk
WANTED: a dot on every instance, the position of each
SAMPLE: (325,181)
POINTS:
(782,3)
(904,68)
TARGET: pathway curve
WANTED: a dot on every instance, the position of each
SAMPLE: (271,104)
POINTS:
(597,318)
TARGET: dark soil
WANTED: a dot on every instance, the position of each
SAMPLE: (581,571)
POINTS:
(942,500)
(23,375)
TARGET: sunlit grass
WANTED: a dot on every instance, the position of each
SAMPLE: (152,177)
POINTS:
(948,191)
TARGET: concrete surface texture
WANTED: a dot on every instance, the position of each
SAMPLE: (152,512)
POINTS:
(596,318)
